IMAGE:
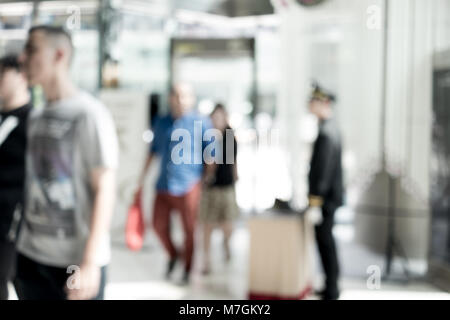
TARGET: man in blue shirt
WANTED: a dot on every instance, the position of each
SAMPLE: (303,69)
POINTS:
(178,141)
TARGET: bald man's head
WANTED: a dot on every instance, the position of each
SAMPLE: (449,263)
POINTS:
(182,99)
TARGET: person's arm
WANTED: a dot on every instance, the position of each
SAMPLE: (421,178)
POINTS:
(99,148)
(155,149)
(148,162)
(103,183)
(321,176)
(209,165)
(235,169)
(235,172)
(322,171)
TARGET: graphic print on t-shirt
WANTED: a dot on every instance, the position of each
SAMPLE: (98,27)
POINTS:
(51,203)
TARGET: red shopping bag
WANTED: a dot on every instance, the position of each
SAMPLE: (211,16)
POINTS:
(135,227)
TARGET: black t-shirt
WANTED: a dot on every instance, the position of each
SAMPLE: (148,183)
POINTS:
(225,172)
(13,138)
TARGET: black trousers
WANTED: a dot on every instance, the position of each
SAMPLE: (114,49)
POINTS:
(7,259)
(328,253)
(9,202)
(35,281)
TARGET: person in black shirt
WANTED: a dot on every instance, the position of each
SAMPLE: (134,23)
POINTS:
(218,206)
(326,187)
(14,109)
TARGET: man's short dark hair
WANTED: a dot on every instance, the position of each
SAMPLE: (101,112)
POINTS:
(55,34)
(219,107)
(10,62)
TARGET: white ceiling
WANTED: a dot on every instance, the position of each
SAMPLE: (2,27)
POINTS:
(231,8)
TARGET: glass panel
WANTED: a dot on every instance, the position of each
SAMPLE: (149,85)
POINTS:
(15,19)
(80,17)
(440,173)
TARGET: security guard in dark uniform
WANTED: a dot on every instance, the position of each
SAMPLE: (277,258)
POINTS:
(326,186)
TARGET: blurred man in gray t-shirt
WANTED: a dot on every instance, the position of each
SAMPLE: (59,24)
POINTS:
(71,160)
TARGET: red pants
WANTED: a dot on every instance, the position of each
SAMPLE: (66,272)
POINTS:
(187,206)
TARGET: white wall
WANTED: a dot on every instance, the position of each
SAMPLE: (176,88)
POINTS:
(331,43)
(130,113)
(441,22)
(352,66)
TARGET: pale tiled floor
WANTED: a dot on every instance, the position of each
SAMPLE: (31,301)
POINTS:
(140,275)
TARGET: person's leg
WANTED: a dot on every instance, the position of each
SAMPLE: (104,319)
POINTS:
(207,232)
(8,204)
(227,228)
(206,208)
(58,278)
(7,259)
(188,221)
(188,209)
(230,212)
(33,283)
(101,291)
(161,225)
(328,254)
